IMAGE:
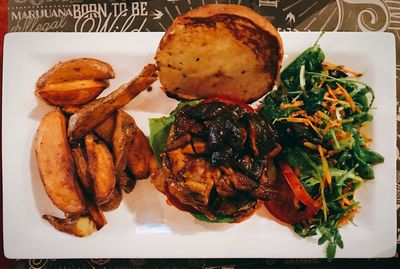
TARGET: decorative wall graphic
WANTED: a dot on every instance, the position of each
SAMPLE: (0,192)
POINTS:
(157,15)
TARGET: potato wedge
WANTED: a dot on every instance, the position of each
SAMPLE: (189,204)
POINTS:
(127,182)
(114,201)
(77,69)
(70,109)
(105,129)
(101,168)
(78,225)
(123,136)
(56,164)
(97,216)
(100,109)
(76,92)
(82,169)
(139,156)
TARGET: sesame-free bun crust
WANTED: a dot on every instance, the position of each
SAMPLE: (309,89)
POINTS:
(219,50)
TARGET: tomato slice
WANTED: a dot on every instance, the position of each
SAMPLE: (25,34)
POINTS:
(282,205)
(231,101)
(295,184)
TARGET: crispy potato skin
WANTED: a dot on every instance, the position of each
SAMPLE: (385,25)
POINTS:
(75,92)
(80,226)
(100,109)
(126,181)
(219,50)
(77,69)
(105,129)
(82,169)
(56,164)
(114,201)
(101,168)
(97,216)
(139,156)
(74,82)
(124,133)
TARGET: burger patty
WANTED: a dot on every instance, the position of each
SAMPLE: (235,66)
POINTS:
(217,160)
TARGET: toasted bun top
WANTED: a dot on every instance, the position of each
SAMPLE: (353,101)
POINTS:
(219,50)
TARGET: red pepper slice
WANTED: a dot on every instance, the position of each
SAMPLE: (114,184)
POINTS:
(275,151)
(230,101)
(295,184)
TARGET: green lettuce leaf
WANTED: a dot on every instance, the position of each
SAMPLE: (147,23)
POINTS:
(219,219)
(160,128)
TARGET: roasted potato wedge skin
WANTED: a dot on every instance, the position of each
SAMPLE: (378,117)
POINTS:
(105,129)
(82,169)
(77,69)
(75,92)
(69,110)
(56,164)
(101,168)
(114,201)
(127,182)
(100,109)
(123,136)
(139,156)
(81,226)
(97,216)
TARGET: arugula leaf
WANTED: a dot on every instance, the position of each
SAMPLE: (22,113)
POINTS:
(331,251)
(311,59)
(313,100)
(271,106)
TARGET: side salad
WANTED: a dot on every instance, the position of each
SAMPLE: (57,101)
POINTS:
(320,111)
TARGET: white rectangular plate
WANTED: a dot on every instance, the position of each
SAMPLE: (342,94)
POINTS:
(144,225)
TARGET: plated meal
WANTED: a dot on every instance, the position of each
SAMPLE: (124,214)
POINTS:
(301,151)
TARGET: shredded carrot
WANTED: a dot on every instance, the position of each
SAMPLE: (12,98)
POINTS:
(342,135)
(331,152)
(337,91)
(325,167)
(328,66)
(331,92)
(310,145)
(306,122)
(321,83)
(337,101)
(322,115)
(291,105)
(330,125)
(298,113)
(327,127)
(348,217)
(345,202)
(347,96)
(314,120)
(332,111)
